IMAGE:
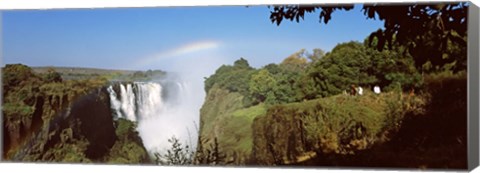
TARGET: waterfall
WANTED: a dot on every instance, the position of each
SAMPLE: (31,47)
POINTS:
(160,110)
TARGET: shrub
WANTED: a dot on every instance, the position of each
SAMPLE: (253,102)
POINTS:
(176,155)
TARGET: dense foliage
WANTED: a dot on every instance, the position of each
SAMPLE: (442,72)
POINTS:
(304,76)
(129,147)
(240,72)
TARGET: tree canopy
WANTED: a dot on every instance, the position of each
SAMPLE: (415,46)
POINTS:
(234,78)
(305,76)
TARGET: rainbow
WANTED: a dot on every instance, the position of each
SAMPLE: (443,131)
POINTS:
(179,51)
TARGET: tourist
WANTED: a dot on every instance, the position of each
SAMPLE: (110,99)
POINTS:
(360,91)
(376,89)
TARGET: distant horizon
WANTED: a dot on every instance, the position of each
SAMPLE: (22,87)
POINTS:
(126,69)
(78,67)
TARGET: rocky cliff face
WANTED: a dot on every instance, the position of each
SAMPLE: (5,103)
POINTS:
(20,126)
(71,127)
(31,101)
(86,118)
(81,130)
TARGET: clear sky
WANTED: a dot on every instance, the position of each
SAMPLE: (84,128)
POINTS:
(170,38)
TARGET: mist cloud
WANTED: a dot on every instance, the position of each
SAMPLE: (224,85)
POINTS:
(181,117)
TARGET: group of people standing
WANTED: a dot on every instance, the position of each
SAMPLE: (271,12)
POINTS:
(359,90)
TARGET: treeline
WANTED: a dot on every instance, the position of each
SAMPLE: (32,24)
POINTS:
(306,76)
(115,75)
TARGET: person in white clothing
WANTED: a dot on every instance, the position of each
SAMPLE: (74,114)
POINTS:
(376,89)
(360,91)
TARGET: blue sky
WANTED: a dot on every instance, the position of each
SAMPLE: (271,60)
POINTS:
(170,38)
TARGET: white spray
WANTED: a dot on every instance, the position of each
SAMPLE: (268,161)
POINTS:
(159,117)
(178,114)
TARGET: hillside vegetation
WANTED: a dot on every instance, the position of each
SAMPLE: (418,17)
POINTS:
(301,112)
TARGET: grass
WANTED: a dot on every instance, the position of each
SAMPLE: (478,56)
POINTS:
(251,112)
(223,117)
(219,105)
(238,129)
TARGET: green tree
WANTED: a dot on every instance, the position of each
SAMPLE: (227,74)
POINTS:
(286,90)
(354,63)
(15,74)
(273,68)
(347,64)
(261,86)
(241,64)
(20,86)
(392,67)
(316,55)
(307,88)
(286,82)
(233,78)
(295,62)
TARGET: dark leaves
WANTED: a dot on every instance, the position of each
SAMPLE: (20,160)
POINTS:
(297,12)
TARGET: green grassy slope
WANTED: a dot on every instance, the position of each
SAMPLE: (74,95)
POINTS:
(296,128)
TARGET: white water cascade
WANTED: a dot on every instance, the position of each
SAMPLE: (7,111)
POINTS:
(160,112)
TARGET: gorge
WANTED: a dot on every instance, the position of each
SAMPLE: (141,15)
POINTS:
(94,119)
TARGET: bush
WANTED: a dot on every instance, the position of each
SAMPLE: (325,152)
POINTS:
(339,124)
(14,74)
(176,155)
(52,76)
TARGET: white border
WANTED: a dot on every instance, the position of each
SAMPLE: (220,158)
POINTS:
(76,4)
